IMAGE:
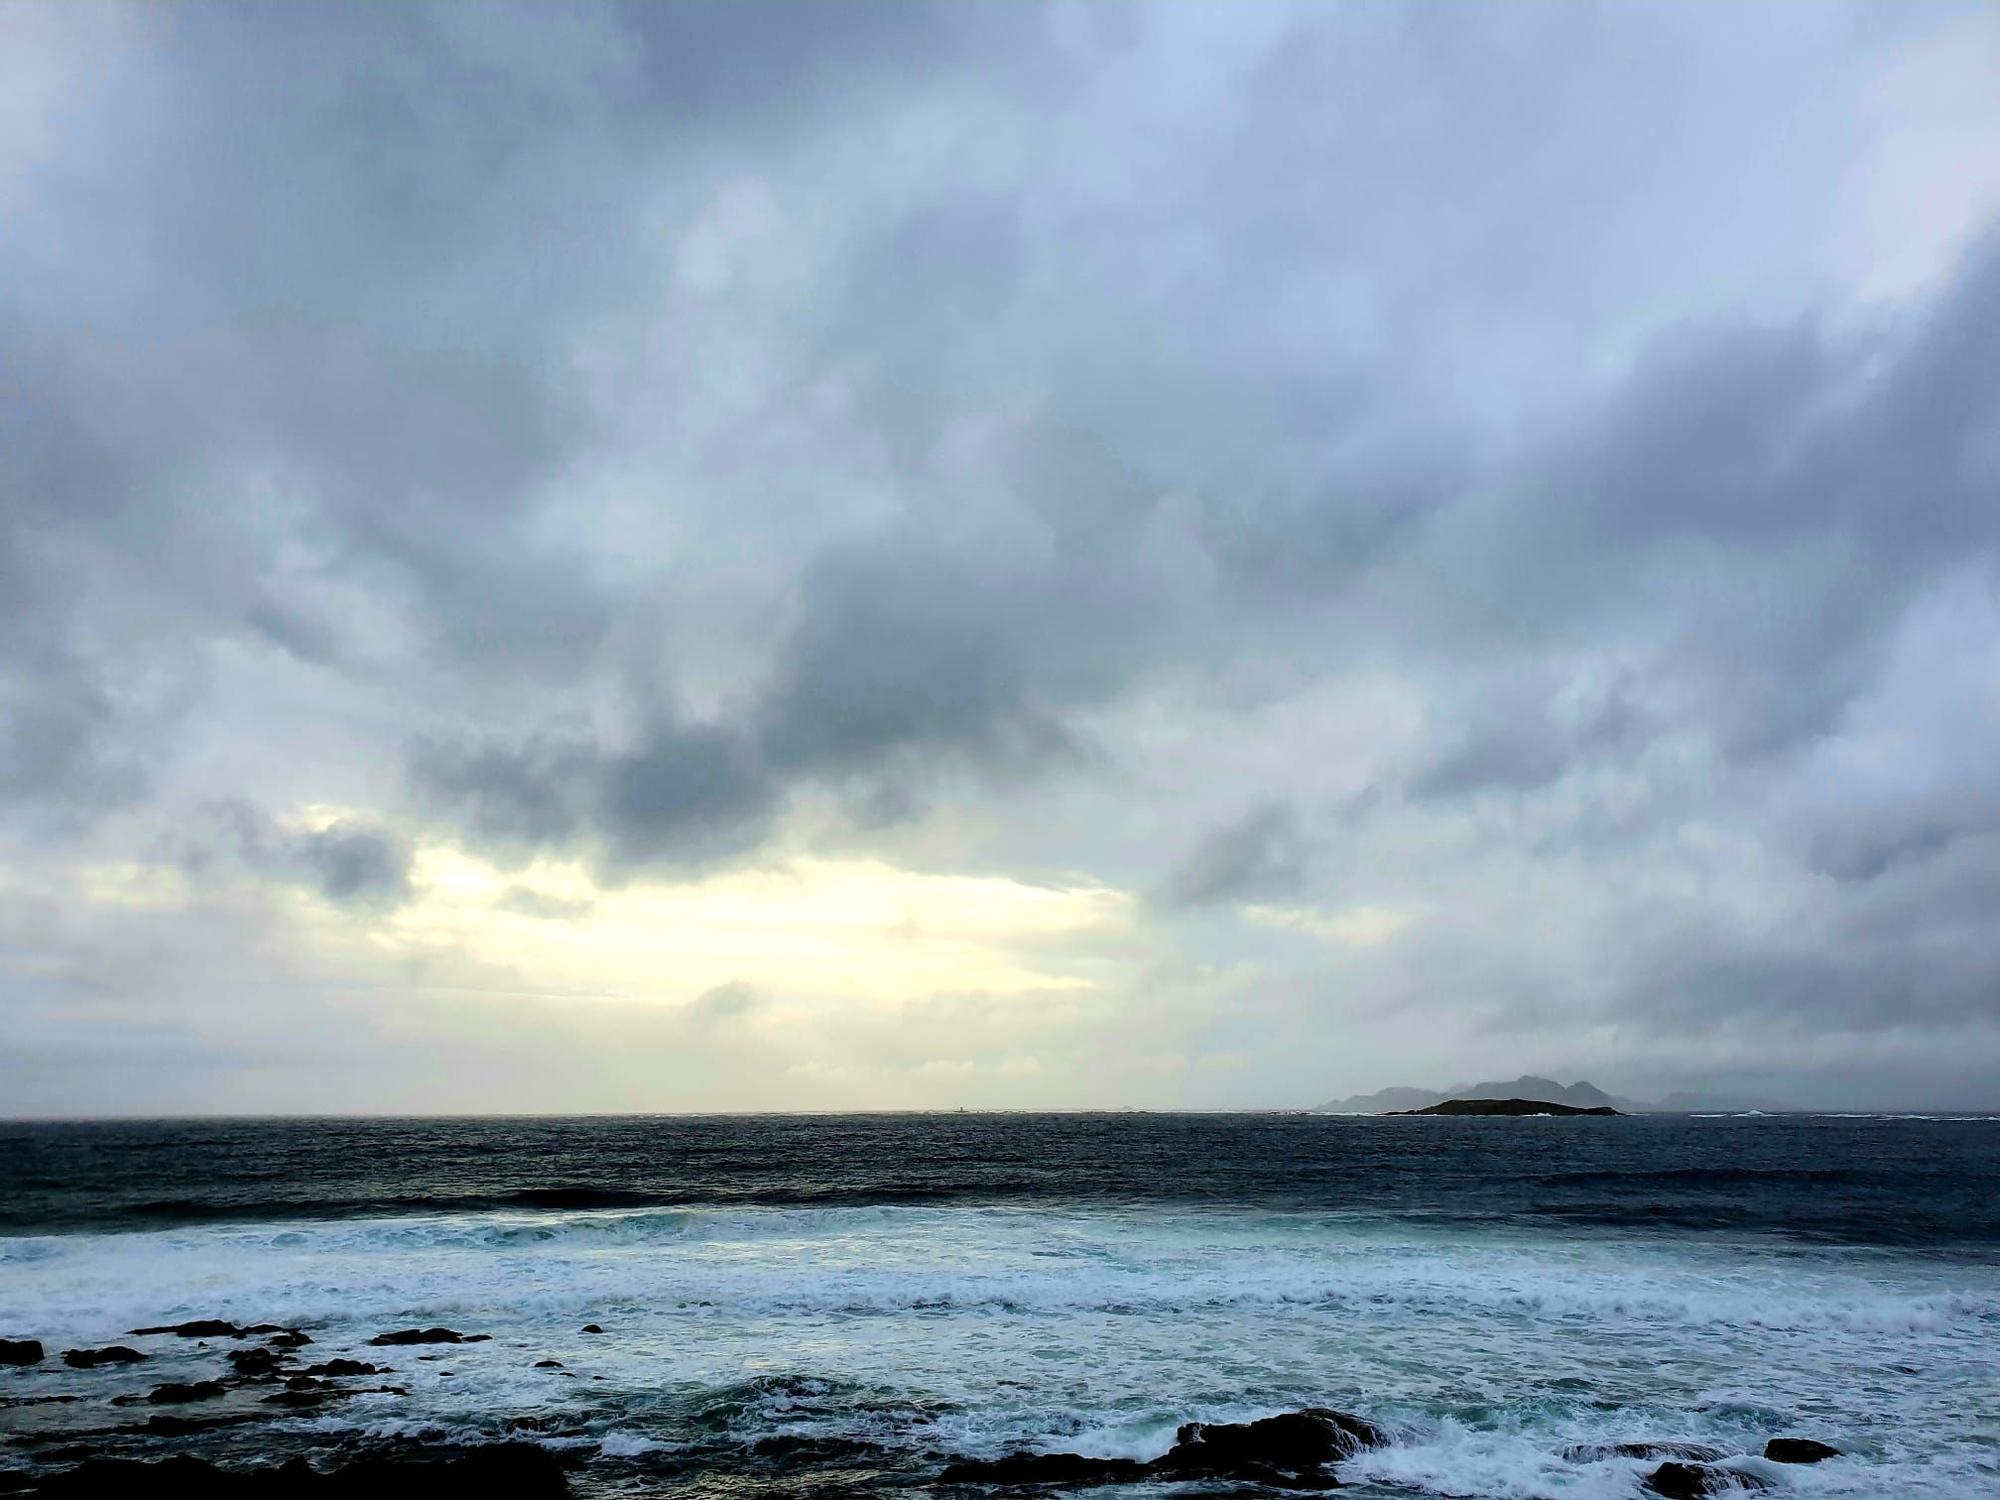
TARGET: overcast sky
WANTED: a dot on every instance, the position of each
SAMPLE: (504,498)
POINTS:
(737,556)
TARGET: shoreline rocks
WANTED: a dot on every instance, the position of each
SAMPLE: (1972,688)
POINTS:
(22,1352)
(513,1469)
(1292,1450)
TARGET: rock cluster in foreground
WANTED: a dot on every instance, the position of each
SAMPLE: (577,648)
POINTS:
(1295,1450)
(1292,1451)
(509,1469)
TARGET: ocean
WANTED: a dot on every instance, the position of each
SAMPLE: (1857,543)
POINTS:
(833,1305)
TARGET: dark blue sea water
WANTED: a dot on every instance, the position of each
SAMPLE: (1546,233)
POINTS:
(841,1304)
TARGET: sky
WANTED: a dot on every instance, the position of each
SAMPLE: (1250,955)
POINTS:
(714,556)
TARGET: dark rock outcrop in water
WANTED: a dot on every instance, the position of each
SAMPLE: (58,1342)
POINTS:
(1293,1441)
(199,1328)
(181,1393)
(1679,1481)
(1045,1468)
(21,1351)
(1590,1453)
(255,1363)
(428,1336)
(1505,1107)
(347,1367)
(90,1359)
(1799,1451)
(509,1469)
(1289,1451)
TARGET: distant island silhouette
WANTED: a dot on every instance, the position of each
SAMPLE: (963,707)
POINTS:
(1404,1100)
(1507,1107)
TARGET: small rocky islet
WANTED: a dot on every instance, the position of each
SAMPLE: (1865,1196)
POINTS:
(1297,1451)
(1507,1108)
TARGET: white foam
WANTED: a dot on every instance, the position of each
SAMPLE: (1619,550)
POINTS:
(982,1330)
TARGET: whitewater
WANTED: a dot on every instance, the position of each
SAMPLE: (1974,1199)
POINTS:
(748,1335)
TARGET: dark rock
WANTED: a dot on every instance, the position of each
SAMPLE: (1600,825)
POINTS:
(1678,1481)
(288,1338)
(347,1367)
(253,1364)
(428,1336)
(592,1328)
(1289,1451)
(300,1399)
(1505,1107)
(1590,1453)
(509,1469)
(1292,1442)
(1044,1468)
(180,1394)
(90,1359)
(1798,1451)
(548,1364)
(21,1351)
(200,1328)
(171,1426)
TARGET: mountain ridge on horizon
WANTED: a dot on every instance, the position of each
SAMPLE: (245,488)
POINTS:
(1581,1094)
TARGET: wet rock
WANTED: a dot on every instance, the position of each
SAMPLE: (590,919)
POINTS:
(171,1426)
(288,1338)
(200,1328)
(21,1351)
(592,1328)
(548,1364)
(509,1469)
(1289,1451)
(1590,1453)
(301,1400)
(1293,1442)
(254,1364)
(347,1367)
(1044,1468)
(177,1393)
(1679,1481)
(1798,1451)
(90,1359)
(428,1336)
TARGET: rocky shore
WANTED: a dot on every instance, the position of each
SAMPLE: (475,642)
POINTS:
(260,1374)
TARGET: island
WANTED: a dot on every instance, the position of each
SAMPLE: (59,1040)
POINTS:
(1506,1107)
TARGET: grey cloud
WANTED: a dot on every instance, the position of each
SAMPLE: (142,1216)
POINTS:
(523,901)
(1264,853)
(355,864)
(351,862)
(1098,405)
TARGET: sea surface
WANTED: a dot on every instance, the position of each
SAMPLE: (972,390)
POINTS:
(841,1304)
